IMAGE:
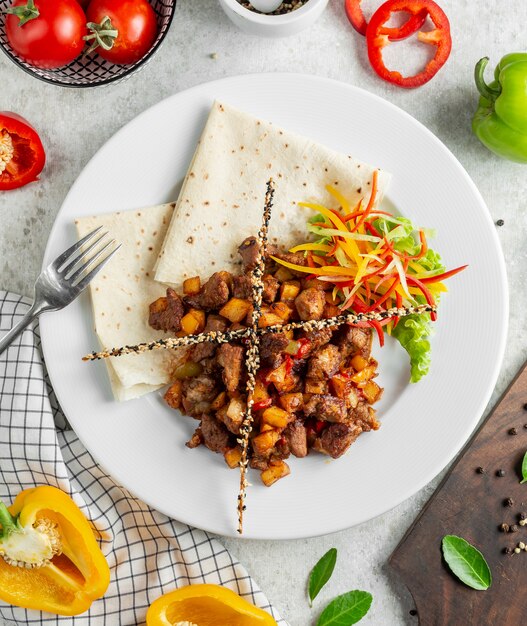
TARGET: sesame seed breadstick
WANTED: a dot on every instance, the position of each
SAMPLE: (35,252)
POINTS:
(252,356)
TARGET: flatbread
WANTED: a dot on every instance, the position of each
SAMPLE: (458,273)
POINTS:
(222,197)
(121,293)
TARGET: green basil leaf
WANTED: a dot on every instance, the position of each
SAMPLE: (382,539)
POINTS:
(466,562)
(347,609)
(321,573)
(524,469)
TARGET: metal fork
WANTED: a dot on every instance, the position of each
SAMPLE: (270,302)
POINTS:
(64,279)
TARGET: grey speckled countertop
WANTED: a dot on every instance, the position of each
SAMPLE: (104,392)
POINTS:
(74,124)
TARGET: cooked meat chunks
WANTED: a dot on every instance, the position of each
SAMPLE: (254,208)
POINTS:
(271,287)
(325,362)
(336,439)
(271,347)
(230,357)
(364,416)
(326,407)
(296,437)
(310,304)
(215,435)
(206,350)
(351,340)
(196,439)
(249,253)
(298,258)
(214,293)
(318,338)
(166,313)
(242,287)
(198,393)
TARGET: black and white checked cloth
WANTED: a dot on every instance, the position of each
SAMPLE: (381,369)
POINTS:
(148,553)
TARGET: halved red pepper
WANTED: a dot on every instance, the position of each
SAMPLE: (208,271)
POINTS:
(358,21)
(439,37)
(22,155)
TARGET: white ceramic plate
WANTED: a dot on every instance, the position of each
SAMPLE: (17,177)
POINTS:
(141,443)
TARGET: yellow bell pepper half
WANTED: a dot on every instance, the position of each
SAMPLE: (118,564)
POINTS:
(205,605)
(50,558)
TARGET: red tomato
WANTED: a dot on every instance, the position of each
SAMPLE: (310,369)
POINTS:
(22,155)
(47,34)
(130,32)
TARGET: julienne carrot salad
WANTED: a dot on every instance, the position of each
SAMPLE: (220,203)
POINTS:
(375,261)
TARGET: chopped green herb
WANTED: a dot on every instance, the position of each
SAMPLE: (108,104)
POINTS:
(321,573)
(347,609)
(466,562)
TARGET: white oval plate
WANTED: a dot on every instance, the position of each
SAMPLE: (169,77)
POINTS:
(141,443)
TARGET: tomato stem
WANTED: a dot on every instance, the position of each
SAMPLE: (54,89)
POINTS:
(103,35)
(25,12)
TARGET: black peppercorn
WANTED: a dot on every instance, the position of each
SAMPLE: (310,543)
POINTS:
(480,470)
(507,550)
(525,407)
(413,612)
(514,528)
(513,431)
(500,223)
(508,502)
(500,473)
(523,515)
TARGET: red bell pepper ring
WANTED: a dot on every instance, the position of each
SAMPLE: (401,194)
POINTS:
(358,21)
(439,37)
(22,155)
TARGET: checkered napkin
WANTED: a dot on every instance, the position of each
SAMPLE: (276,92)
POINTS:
(148,553)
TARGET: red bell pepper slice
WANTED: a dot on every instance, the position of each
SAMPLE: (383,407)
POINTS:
(439,277)
(263,404)
(439,37)
(358,21)
(426,293)
(22,155)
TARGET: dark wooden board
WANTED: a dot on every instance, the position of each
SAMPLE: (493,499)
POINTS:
(472,505)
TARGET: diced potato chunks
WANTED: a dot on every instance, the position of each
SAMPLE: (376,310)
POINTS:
(364,374)
(372,392)
(191,286)
(276,417)
(235,409)
(265,441)
(233,457)
(187,370)
(290,334)
(315,385)
(236,309)
(269,319)
(358,362)
(275,471)
(219,401)
(291,402)
(278,374)
(260,393)
(289,290)
(286,385)
(173,395)
(264,427)
(330,299)
(193,322)
(159,305)
(340,384)
(282,274)
(282,310)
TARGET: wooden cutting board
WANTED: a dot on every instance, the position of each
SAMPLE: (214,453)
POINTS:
(472,505)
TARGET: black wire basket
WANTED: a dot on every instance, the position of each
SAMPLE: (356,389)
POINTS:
(91,70)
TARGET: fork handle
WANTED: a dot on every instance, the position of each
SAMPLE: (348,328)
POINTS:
(31,315)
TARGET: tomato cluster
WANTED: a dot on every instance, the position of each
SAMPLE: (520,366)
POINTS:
(49,35)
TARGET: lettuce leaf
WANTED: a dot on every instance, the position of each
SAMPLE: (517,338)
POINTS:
(412,333)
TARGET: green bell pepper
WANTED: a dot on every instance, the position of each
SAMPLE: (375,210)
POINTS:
(500,122)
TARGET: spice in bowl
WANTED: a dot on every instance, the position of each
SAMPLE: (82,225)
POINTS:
(285,7)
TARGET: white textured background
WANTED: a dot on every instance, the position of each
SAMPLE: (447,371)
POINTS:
(74,124)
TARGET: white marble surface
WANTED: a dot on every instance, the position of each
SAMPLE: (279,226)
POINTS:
(74,124)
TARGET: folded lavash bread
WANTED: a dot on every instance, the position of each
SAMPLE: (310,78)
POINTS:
(121,293)
(222,198)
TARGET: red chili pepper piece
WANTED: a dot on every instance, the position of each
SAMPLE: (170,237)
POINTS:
(305,347)
(359,23)
(439,37)
(263,404)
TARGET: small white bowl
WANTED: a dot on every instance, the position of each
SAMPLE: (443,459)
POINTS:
(273,25)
